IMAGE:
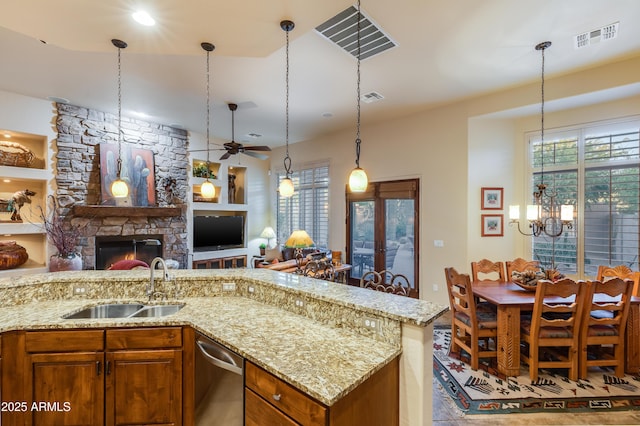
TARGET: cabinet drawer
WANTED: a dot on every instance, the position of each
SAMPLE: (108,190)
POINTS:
(64,340)
(144,338)
(295,404)
(259,413)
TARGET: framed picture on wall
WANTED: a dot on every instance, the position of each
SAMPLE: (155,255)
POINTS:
(137,170)
(492,225)
(491,199)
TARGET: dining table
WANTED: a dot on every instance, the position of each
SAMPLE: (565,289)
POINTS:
(510,300)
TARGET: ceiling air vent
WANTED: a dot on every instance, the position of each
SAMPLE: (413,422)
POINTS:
(608,32)
(342,30)
(371,97)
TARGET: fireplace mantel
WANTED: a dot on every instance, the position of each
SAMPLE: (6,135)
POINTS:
(116,211)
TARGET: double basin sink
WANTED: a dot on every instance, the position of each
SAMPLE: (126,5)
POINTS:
(125,310)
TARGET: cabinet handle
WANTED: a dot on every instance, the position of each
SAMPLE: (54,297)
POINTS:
(98,367)
(276,396)
(108,368)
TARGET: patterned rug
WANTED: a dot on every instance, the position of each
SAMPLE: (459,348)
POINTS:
(484,392)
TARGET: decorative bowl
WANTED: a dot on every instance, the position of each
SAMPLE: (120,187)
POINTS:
(528,280)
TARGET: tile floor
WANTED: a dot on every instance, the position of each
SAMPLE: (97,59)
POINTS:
(445,412)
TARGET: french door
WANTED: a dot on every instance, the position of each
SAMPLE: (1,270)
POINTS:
(382,230)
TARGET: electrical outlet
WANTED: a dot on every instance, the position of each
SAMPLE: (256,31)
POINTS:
(251,290)
(79,291)
(435,287)
(372,324)
(299,303)
(438,243)
(228,286)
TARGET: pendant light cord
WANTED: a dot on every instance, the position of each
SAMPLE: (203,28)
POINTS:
(208,111)
(358,140)
(542,47)
(287,159)
(119,162)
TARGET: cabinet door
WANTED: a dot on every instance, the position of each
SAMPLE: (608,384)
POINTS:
(260,413)
(66,388)
(144,387)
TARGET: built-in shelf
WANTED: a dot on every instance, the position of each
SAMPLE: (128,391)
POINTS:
(116,211)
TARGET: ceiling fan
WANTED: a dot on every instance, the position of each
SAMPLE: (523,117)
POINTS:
(234,147)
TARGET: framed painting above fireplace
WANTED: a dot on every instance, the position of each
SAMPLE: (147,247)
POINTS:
(138,170)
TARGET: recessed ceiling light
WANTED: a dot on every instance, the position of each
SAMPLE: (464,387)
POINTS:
(327,114)
(7,135)
(6,180)
(140,114)
(143,18)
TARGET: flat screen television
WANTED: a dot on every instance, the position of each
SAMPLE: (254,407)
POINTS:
(217,232)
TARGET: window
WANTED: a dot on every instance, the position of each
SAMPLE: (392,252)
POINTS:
(308,208)
(596,169)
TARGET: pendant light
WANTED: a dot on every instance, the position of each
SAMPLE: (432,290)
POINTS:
(286,185)
(119,188)
(358,179)
(207,190)
(545,216)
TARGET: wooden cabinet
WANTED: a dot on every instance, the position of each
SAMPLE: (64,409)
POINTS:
(221,263)
(144,383)
(271,402)
(96,377)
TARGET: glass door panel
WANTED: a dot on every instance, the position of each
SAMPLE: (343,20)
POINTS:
(362,237)
(399,253)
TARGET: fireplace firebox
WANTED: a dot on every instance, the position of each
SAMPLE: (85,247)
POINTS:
(140,247)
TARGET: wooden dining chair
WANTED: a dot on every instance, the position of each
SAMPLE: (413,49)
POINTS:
(552,335)
(621,271)
(474,330)
(520,265)
(602,337)
(486,270)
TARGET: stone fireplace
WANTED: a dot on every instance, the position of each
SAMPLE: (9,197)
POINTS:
(77,176)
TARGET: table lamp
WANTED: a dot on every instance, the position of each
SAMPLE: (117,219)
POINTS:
(299,240)
(268,233)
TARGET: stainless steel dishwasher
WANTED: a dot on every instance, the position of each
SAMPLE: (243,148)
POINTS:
(219,387)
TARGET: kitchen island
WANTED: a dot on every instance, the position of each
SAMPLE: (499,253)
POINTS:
(323,338)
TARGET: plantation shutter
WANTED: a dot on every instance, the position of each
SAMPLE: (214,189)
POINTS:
(612,191)
(308,208)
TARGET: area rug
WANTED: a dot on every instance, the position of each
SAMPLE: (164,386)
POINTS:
(485,392)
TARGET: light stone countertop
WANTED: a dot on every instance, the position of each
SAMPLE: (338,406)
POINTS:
(317,354)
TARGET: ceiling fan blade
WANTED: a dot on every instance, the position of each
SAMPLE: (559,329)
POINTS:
(257,148)
(256,155)
(225,155)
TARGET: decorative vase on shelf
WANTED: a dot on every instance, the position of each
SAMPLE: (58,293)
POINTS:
(72,262)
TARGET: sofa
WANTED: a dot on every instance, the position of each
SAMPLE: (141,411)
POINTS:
(283,258)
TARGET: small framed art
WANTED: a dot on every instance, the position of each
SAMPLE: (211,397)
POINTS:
(492,225)
(491,199)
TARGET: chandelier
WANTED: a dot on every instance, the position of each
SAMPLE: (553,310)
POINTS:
(545,216)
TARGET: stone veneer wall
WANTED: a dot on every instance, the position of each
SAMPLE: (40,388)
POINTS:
(77,175)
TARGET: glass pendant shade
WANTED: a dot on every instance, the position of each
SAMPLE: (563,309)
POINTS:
(358,180)
(286,187)
(207,190)
(119,188)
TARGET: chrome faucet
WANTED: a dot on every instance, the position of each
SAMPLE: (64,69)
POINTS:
(151,288)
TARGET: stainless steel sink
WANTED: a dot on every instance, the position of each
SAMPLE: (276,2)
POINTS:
(157,311)
(124,310)
(111,310)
